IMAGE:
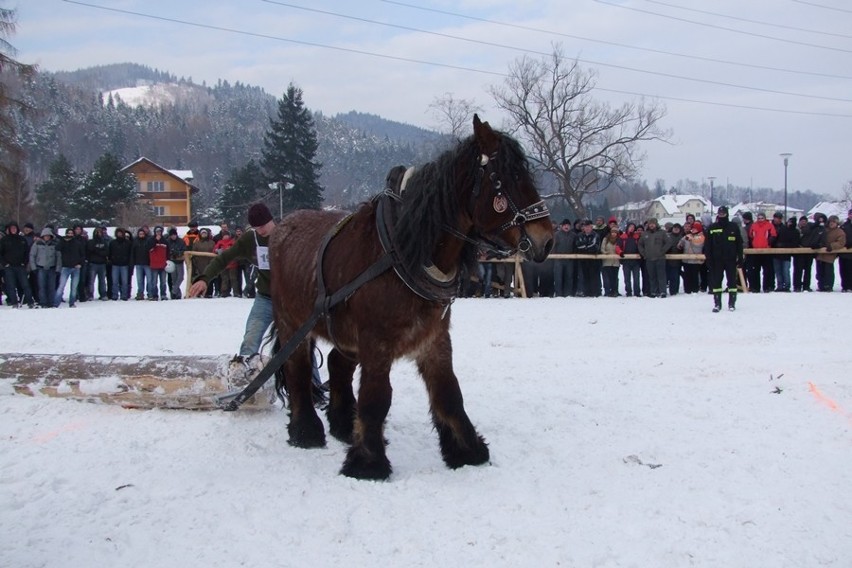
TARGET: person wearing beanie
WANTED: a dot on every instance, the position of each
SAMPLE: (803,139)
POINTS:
(692,243)
(723,252)
(788,237)
(176,249)
(120,252)
(653,246)
(803,263)
(628,243)
(833,239)
(253,245)
(564,268)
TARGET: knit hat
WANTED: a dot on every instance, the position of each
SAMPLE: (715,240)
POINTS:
(259,215)
(834,218)
(778,215)
(652,220)
(28,225)
(565,222)
(46,232)
(697,227)
(724,209)
(612,220)
(747,216)
(172,231)
(193,224)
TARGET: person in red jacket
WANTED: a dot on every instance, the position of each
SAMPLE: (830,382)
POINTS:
(228,276)
(762,235)
(158,255)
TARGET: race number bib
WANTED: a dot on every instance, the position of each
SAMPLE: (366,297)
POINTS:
(262,257)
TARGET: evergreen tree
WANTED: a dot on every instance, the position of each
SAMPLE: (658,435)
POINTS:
(289,154)
(240,190)
(103,191)
(53,195)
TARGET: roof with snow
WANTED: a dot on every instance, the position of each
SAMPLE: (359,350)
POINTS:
(177,174)
(830,208)
(182,174)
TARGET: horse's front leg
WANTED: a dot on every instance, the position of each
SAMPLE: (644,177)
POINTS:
(305,428)
(460,442)
(366,458)
(341,406)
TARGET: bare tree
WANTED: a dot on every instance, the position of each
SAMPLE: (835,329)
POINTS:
(585,144)
(454,114)
(13,192)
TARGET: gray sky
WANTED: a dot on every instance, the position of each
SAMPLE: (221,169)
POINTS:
(743,80)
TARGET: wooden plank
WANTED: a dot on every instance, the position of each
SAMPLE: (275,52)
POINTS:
(178,382)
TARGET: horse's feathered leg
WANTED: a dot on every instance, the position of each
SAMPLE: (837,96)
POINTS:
(341,407)
(366,458)
(305,427)
(460,443)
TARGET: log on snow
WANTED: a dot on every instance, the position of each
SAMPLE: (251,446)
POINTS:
(180,382)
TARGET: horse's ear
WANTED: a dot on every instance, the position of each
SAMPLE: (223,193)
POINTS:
(486,137)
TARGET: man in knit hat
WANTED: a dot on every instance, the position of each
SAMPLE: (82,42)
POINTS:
(723,253)
(253,246)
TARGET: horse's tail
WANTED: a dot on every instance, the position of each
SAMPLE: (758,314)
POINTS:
(317,391)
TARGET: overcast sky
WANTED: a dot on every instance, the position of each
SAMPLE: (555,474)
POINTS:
(743,81)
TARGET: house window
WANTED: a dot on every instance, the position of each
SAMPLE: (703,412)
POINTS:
(156,186)
(159,211)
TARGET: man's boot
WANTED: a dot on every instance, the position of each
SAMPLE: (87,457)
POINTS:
(717,302)
(732,301)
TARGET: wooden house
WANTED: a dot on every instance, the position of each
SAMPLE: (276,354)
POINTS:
(167,192)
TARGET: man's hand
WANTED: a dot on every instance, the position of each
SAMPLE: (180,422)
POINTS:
(198,289)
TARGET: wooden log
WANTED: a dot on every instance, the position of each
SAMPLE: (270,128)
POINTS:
(176,382)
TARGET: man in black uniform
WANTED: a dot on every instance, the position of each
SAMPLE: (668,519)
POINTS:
(723,250)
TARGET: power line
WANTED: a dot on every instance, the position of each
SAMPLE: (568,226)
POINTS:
(581,60)
(823,6)
(431,63)
(747,20)
(714,26)
(617,44)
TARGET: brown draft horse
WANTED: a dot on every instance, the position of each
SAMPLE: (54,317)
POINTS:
(480,192)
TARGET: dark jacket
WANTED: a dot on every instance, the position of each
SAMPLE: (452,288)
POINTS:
(176,249)
(587,243)
(788,237)
(653,245)
(14,250)
(245,247)
(629,242)
(563,242)
(139,251)
(97,250)
(723,243)
(120,251)
(847,228)
(72,250)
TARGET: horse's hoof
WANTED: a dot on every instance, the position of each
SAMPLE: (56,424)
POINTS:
(341,432)
(456,457)
(309,435)
(341,425)
(358,466)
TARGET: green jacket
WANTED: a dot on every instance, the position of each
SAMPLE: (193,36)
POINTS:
(244,248)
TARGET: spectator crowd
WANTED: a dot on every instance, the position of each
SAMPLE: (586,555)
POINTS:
(49,267)
(653,275)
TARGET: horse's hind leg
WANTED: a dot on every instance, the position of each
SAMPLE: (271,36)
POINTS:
(366,458)
(341,407)
(460,442)
(305,428)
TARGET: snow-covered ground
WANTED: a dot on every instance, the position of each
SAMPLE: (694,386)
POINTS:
(623,432)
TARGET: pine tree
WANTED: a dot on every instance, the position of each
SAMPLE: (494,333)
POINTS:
(289,154)
(242,187)
(53,195)
(103,191)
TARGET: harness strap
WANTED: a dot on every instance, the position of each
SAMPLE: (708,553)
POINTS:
(323,304)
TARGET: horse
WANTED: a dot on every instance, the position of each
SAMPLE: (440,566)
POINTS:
(481,192)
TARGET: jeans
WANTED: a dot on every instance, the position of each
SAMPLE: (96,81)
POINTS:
(17,280)
(486,275)
(610,280)
(177,280)
(631,277)
(46,286)
(143,275)
(98,270)
(64,275)
(782,273)
(120,282)
(157,275)
(258,321)
(563,278)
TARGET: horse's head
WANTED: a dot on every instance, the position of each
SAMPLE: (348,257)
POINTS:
(506,207)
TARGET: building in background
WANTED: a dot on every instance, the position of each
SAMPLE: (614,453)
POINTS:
(167,192)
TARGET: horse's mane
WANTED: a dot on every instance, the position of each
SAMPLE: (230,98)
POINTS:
(433,196)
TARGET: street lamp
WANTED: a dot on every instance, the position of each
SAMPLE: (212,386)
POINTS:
(711,178)
(786,156)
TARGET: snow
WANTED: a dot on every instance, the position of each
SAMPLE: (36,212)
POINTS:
(623,432)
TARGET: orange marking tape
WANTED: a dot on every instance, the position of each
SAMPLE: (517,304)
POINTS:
(832,406)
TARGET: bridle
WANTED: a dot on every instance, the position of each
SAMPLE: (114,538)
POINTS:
(502,201)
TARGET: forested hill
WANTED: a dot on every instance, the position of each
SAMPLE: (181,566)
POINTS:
(208,129)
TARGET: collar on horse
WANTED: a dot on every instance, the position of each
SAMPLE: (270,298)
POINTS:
(429,282)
